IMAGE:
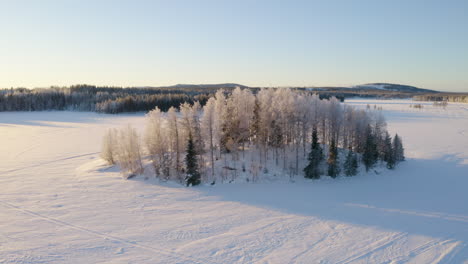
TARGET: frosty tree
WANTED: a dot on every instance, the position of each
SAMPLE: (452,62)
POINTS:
(269,128)
(156,142)
(109,146)
(129,157)
(208,128)
(174,138)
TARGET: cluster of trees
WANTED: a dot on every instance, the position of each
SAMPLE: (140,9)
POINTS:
(440,97)
(378,146)
(137,103)
(273,127)
(417,106)
(122,146)
(100,99)
(442,104)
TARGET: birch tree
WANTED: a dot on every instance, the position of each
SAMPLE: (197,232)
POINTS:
(156,141)
(174,137)
(208,126)
(109,146)
(129,157)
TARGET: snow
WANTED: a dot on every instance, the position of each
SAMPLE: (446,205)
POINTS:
(60,203)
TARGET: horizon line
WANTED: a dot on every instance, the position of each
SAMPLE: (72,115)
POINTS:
(223,83)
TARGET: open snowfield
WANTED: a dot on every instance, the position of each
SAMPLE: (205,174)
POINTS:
(59,203)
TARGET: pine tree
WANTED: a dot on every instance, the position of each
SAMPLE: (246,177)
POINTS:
(312,170)
(333,169)
(351,164)
(398,150)
(193,176)
(370,155)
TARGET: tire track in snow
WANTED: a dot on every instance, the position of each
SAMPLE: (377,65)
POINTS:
(180,258)
(424,247)
(27,150)
(248,243)
(458,253)
(373,247)
(310,248)
(49,162)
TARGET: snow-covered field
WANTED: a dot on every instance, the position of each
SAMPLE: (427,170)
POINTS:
(59,203)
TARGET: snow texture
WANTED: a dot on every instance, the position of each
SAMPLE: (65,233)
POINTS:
(60,203)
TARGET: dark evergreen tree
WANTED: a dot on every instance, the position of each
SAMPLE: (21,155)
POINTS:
(333,168)
(398,150)
(276,140)
(255,123)
(370,155)
(355,164)
(389,156)
(351,164)
(312,170)
(193,176)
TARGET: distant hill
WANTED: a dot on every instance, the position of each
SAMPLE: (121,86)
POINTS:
(380,90)
(376,88)
(392,87)
(373,90)
(369,88)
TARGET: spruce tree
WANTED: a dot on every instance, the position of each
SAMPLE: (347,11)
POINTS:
(277,135)
(312,170)
(370,155)
(193,176)
(255,122)
(276,139)
(389,156)
(354,164)
(333,169)
(398,150)
(351,164)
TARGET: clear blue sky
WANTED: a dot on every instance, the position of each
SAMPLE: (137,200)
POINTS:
(258,43)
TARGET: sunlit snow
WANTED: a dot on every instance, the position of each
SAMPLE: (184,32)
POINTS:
(60,203)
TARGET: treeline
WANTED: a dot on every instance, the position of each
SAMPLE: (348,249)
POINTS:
(111,100)
(456,98)
(99,99)
(284,130)
(136,103)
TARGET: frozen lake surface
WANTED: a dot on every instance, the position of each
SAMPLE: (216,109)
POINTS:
(59,203)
